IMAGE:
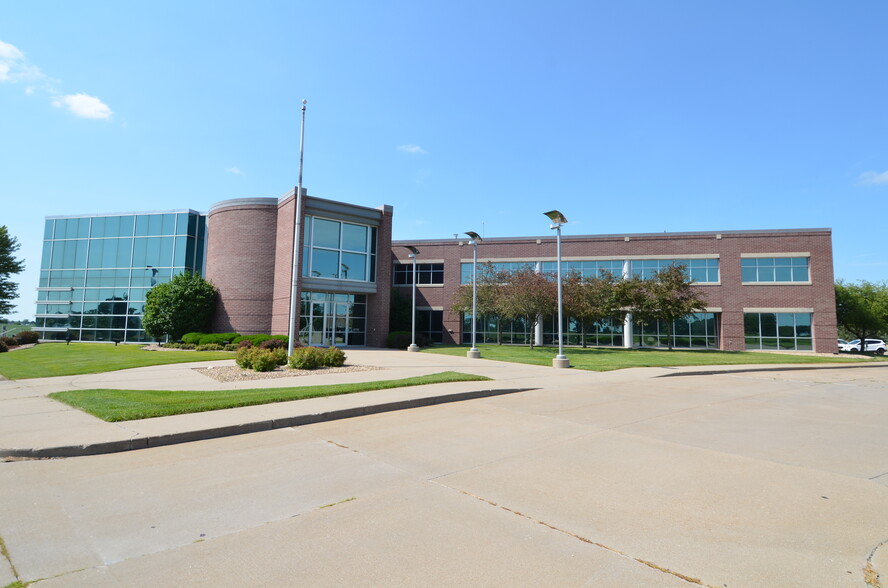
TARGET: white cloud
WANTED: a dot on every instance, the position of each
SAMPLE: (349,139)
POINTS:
(83,105)
(14,67)
(234,170)
(871,178)
(415,149)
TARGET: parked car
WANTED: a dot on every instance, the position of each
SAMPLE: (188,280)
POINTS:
(872,346)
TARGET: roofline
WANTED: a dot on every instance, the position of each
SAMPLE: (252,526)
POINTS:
(131,213)
(714,234)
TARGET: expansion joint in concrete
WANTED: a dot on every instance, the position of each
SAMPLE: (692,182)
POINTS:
(686,578)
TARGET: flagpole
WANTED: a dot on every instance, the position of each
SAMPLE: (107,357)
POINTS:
(297,226)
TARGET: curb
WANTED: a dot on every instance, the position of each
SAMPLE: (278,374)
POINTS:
(251,427)
(798,368)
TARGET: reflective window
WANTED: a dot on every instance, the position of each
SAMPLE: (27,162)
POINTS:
(698,270)
(787,331)
(338,250)
(696,331)
(426,273)
(774,269)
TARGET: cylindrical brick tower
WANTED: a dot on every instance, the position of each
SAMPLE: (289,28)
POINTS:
(241,236)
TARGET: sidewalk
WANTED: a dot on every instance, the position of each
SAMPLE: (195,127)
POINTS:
(33,425)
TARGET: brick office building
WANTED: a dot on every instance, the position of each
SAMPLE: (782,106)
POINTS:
(770,289)
(345,262)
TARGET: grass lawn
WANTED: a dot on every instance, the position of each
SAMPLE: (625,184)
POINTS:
(126,405)
(606,359)
(57,359)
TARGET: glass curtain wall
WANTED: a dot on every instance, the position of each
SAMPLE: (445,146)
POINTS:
(338,250)
(96,271)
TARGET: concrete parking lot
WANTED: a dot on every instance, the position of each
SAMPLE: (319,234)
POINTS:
(647,477)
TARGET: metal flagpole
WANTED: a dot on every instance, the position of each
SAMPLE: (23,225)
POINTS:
(297,226)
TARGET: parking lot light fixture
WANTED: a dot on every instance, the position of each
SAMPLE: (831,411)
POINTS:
(558,219)
(473,353)
(413,346)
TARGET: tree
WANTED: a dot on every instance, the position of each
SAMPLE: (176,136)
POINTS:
(9,266)
(862,309)
(667,296)
(487,293)
(185,304)
(527,295)
(593,299)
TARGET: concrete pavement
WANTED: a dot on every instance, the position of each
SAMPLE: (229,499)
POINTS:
(739,478)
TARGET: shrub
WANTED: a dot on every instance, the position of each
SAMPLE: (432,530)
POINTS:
(272,344)
(186,346)
(192,338)
(28,337)
(244,357)
(230,347)
(244,343)
(171,345)
(209,347)
(3,347)
(334,357)
(264,360)
(307,358)
(217,338)
(401,340)
(9,341)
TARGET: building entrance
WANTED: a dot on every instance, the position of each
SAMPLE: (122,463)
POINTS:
(329,319)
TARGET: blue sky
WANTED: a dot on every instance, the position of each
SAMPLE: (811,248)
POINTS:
(632,116)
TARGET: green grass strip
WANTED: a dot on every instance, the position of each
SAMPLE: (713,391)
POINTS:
(607,359)
(126,405)
(57,359)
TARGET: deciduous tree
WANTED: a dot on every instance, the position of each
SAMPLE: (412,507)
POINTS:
(184,304)
(9,266)
(666,296)
(593,298)
(527,295)
(862,309)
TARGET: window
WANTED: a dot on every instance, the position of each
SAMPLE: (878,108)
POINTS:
(338,250)
(787,331)
(430,324)
(586,268)
(506,266)
(695,331)
(774,269)
(699,270)
(426,274)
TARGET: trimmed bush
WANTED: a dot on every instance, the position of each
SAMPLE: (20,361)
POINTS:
(264,360)
(243,343)
(244,357)
(334,357)
(217,338)
(3,347)
(261,360)
(230,347)
(307,358)
(272,344)
(9,341)
(192,338)
(28,337)
(209,347)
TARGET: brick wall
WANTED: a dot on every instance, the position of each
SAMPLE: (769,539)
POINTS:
(240,263)
(730,295)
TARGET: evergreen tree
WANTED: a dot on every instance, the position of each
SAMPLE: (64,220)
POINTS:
(9,266)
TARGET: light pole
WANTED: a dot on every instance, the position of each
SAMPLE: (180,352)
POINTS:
(558,219)
(413,346)
(297,245)
(473,353)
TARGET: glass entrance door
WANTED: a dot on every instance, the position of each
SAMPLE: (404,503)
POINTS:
(332,319)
